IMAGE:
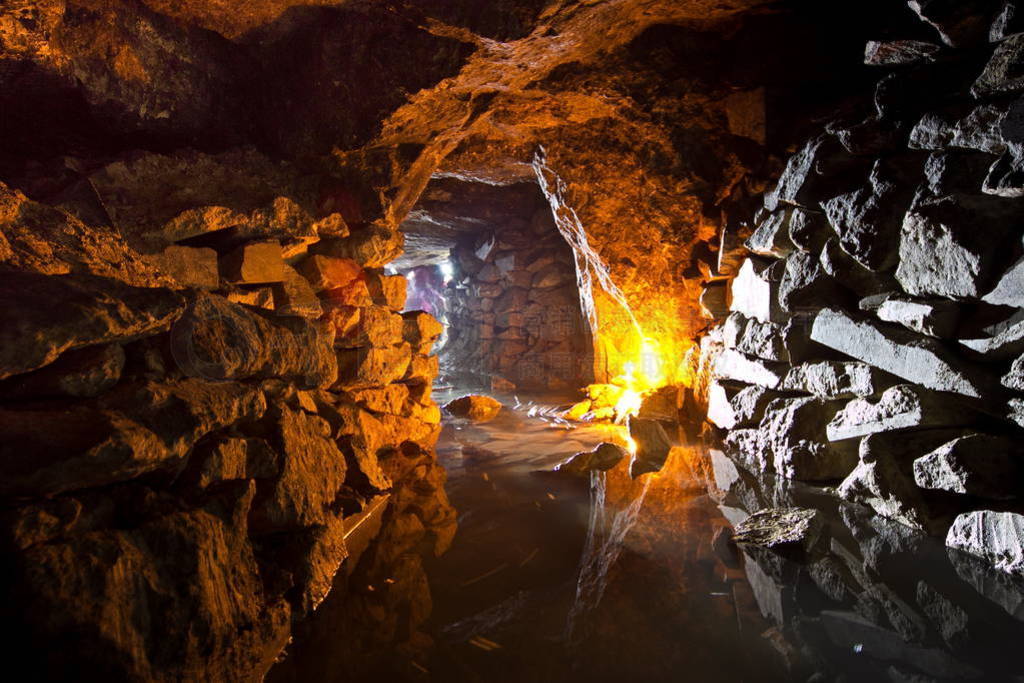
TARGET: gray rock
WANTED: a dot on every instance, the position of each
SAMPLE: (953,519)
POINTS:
(652,446)
(1002,74)
(961,127)
(796,180)
(895,52)
(1014,378)
(917,359)
(868,219)
(762,340)
(950,172)
(791,436)
(935,318)
(942,253)
(884,480)
(845,270)
(1007,343)
(903,407)
(789,531)
(755,294)
(1015,411)
(994,536)
(977,465)
(730,407)
(733,365)
(808,230)
(771,237)
(1006,176)
(948,618)
(1003,590)
(1009,290)
(805,286)
(836,379)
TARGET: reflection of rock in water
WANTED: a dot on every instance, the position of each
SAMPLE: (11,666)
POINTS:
(876,600)
(369,627)
(602,549)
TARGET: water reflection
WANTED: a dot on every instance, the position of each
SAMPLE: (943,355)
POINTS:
(557,578)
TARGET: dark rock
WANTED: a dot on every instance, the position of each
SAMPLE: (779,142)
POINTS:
(959,23)
(311,472)
(948,618)
(872,137)
(847,272)
(604,457)
(914,358)
(233,459)
(93,311)
(897,52)
(994,536)
(771,236)
(372,246)
(956,172)
(652,446)
(960,126)
(1006,176)
(903,407)
(788,531)
(714,299)
(219,340)
(474,408)
(1008,21)
(1006,343)
(977,465)
(1002,73)
(884,479)
(131,432)
(83,373)
(802,180)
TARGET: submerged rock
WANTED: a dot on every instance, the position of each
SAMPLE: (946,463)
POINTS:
(474,407)
(604,457)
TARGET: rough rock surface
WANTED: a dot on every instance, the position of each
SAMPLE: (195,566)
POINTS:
(474,408)
(996,536)
(903,407)
(977,465)
(782,530)
(603,457)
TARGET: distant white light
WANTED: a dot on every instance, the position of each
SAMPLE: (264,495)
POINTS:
(447,270)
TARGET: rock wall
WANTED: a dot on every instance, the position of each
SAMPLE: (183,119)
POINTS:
(514,310)
(189,428)
(871,339)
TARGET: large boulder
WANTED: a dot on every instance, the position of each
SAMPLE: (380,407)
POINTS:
(133,431)
(917,359)
(44,316)
(219,340)
(84,373)
(994,536)
(941,253)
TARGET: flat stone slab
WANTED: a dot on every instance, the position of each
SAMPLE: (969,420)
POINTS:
(917,359)
(903,407)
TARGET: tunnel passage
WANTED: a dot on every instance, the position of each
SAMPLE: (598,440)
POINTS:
(490,263)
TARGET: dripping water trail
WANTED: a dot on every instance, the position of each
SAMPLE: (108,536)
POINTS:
(603,545)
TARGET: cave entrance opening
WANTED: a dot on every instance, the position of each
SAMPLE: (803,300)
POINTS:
(489,263)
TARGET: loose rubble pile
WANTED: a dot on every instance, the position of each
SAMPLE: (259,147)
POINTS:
(515,309)
(190,423)
(871,332)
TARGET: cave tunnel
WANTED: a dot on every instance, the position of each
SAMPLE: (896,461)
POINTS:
(352,341)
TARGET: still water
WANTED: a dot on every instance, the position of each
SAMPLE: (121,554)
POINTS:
(553,577)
